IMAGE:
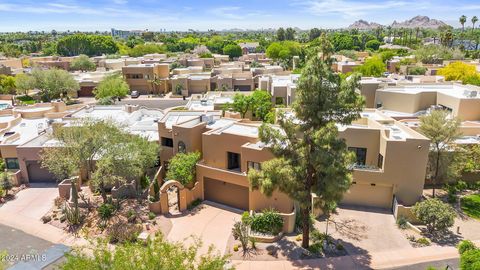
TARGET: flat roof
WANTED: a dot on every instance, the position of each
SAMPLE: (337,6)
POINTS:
(453,90)
(27,129)
(141,121)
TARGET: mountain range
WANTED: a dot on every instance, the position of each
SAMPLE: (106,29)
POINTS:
(417,21)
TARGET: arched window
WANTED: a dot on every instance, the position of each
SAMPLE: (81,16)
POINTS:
(181,147)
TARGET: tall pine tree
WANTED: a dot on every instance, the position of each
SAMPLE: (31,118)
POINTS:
(309,155)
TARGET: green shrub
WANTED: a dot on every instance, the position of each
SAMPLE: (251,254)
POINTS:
(316,248)
(151,215)
(435,214)
(465,245)
(416,70)
(470,260)
(423,241)
(105,101)
(269,221)
(402,222)
(194,204)
(105,211)
(461,186)
(321,237)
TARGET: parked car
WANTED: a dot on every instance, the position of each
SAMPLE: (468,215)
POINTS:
(134,94)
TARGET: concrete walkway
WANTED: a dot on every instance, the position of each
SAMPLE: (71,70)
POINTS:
(210,222)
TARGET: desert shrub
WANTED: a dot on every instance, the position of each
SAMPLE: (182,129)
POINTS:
(59,201)
(72,215)
(105,211)
(269,221)
(402,222)
(241,232)
(321,237)
(423,242)
(46,218)
(465,245)
(123,232)
(151,215)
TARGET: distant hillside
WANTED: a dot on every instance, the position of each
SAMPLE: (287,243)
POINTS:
(364,25)
(417,21)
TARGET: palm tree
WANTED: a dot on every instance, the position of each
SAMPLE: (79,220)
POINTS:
(474,21)
(463,20)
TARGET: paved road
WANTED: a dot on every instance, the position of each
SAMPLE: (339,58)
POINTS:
(18,243)
(440,265)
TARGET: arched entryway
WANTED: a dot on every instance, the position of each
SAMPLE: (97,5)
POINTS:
(172,197)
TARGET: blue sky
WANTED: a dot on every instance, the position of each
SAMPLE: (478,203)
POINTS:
(215,14)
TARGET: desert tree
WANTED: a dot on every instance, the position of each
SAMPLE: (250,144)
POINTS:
(309,155)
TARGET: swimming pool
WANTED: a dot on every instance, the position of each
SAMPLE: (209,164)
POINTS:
(3,106)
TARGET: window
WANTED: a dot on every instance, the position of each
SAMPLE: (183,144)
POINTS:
(12,163)
(254,165)
(181,147)
(233,161)
(380,161)
(361,154)
(168,142)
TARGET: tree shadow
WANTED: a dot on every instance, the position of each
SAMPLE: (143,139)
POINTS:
(445,238)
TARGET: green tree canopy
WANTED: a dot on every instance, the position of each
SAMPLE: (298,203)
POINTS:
(442,130)
(437,215)
(53,83)
(113,86)
(373,66)
(143,49)
(90,45)
(261,105)
(283,50)
(232,50)
(24,83)
(108,153)
(83,63)
(373,44)
(182,167)
(309,155)
(7,84)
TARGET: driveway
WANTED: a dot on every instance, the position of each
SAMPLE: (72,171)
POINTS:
(210,222)
(18,244)
(33,202)
(365,230)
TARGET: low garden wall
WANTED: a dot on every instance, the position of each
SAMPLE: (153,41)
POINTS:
(288,221)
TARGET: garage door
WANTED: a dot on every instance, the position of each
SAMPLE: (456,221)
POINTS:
(38,174)
(225,193)
(368,195)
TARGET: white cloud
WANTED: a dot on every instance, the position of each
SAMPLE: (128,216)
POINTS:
(350,9)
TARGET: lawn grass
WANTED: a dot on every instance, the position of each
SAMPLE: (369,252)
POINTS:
(471,205)
(27,100)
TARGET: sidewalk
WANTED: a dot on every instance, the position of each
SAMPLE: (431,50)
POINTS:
(378,260)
